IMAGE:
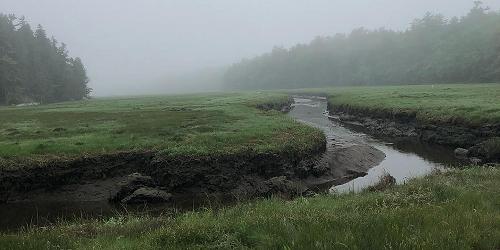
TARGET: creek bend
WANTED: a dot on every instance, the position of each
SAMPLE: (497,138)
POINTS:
(404,159)
(348,151)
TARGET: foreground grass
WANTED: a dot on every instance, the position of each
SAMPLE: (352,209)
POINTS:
(468,103)
(206,124)
(457,209)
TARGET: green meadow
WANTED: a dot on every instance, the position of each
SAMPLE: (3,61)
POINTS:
(174,125)
(455,209)
(474,104)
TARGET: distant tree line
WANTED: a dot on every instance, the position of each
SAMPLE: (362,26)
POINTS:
(432,50)
(34,68)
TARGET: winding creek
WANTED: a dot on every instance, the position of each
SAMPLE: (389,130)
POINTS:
(403,160)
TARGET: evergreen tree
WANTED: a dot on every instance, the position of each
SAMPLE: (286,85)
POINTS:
(432,50)
(34,68)
(8,66)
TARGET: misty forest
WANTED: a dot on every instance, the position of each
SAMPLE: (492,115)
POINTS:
(434,49)
(233,124)
(35,68)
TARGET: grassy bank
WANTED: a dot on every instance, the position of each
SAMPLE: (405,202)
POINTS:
(174,125)
(471,104)
(458,209)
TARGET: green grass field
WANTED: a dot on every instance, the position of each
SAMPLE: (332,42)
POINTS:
(217,123)
(457,209)
(188,125)
(470,104)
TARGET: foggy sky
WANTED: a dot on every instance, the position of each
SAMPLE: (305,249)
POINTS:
(132,46)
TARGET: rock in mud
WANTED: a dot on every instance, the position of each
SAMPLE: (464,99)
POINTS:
(475,161)
(411,132)
(488,150)
(132,183)
(461,152)
(147,195)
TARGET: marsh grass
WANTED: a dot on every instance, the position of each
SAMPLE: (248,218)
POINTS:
(456,209)
(470,104)
(207,124)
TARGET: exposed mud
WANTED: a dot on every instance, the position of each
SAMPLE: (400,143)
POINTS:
(241,176)
(345,158)
(455,134)
(93,179)
(404,158)
(85,178)
(181,180)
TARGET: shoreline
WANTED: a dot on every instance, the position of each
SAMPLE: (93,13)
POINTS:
(241,176)
(467,140)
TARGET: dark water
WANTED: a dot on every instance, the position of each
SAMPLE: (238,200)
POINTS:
(405,159)
(25,214)
(16,216)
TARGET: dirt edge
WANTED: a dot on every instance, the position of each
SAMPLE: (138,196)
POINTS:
(469,139)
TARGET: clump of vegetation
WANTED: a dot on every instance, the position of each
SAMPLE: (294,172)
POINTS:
(455,209)
(385,181)
(282,104)
(197,125)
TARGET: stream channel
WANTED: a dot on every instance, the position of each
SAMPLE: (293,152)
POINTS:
(404,160)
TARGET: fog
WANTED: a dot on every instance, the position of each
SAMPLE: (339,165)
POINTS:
(158,46)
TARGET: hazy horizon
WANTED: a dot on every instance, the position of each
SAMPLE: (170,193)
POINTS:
(131,47)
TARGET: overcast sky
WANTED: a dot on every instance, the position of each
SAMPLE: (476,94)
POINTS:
(128,44)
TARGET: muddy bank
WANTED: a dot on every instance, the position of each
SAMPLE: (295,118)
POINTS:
(479,144)
(242,176)
(346,157)
(404,159)
(345,163)
(98,178)
(113,177)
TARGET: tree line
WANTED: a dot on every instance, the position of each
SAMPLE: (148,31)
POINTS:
(432,50)
(35,68)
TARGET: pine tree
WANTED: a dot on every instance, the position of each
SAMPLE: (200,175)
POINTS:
(8,72)
(432,50)
(36,68)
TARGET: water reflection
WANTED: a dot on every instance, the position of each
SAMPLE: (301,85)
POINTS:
(405,159)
